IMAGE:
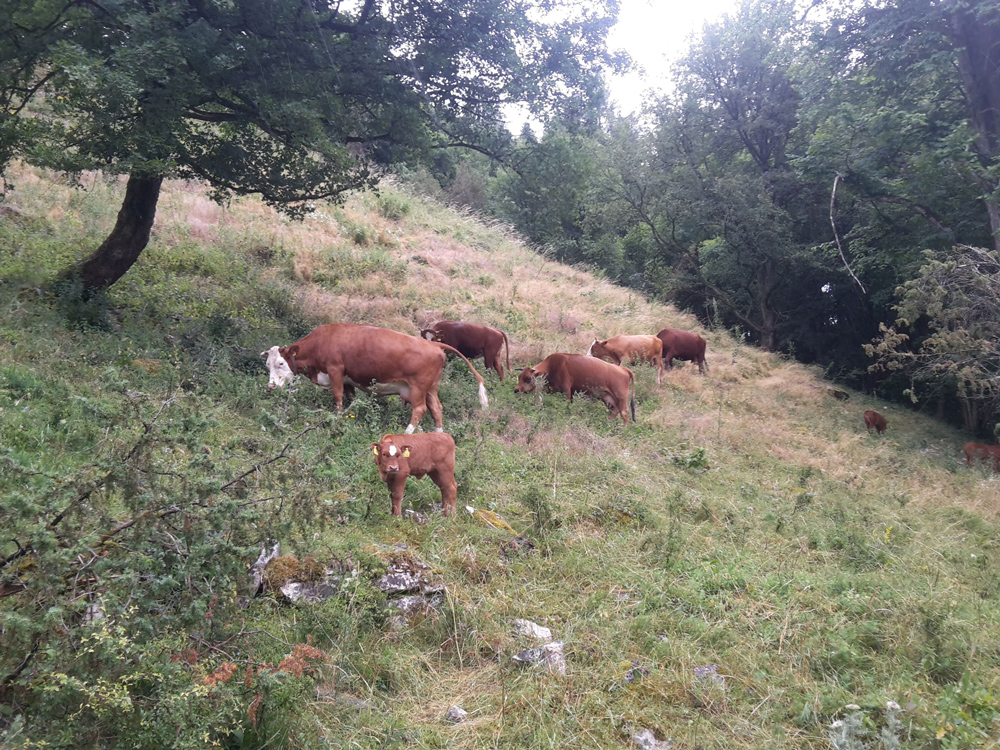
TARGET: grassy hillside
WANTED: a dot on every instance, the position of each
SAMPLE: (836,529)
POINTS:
(746,521)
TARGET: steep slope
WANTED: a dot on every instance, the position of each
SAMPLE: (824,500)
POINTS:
(747,520)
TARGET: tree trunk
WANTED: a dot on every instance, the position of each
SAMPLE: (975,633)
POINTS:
(127,240)
(767,280)
(976,33)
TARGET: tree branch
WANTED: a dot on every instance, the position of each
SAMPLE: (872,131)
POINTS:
(833,223)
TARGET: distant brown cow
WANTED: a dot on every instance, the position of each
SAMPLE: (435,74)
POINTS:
(973,451)
(430,454)
(875,420)
(472,340)
(577,373)
(682,345)
(345,356)
(631,349)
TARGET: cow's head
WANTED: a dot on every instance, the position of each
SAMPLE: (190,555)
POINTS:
(599,349)
(431,334)
(526,381)
(280,365)
(391,457)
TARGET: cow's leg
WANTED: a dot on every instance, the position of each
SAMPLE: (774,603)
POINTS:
(437,413)
(658,364)
(397,484)
(449,491)
(418,402)
(337,386)
(492,360)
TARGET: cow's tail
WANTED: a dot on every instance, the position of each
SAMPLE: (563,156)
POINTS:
(631,382)
(506,348)
(483,401)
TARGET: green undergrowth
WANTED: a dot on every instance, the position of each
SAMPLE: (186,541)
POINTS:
(145,464)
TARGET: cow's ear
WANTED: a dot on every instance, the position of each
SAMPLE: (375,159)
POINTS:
(406,450)
(264,354)
(375,448)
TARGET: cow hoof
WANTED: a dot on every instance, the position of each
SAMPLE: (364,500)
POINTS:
(439,429)
(409,429)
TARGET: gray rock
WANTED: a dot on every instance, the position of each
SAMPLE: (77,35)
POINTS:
(399,582)
(709,675)
(310,593)
(456,715)
(646,740)
(529,629)
(414,516)
(637,672)
(551,655)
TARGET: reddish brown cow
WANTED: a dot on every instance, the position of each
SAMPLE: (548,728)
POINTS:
(427,455)
(631,349)
(875,420)
(982,451)
(472,340)
(346,356)
(577,373)
(682,345)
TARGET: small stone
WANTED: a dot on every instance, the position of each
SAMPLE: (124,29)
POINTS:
(412,515)
(637,672)
(551,655)
(710,673)
(529,629)
(646,740)
(456,715)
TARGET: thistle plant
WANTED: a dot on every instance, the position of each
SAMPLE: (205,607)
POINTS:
(849,733)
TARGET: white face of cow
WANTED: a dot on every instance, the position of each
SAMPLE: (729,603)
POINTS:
(280,373)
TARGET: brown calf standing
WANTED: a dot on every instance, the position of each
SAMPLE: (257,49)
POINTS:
(973,451)
(631,349)
(430,454)
(876,420)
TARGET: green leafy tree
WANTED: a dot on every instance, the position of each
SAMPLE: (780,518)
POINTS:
(957,296)
(296,101)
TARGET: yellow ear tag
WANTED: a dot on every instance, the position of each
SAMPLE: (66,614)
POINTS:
(375,450)
(406,453)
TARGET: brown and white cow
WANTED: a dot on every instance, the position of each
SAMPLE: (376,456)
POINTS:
(982,451)
(682,345)
(345,356)
(631,349)
(427,455)
(472,340)
(578,373)
(874,420)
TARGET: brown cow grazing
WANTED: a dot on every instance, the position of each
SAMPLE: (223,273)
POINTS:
(875,420)
(472,341)
(633,349)
(682,345)
(345,356)
(428,455)
(973,451)
(578,373)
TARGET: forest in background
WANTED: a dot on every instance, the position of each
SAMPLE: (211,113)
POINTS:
(881,120)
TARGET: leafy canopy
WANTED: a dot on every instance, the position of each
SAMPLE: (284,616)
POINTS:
(279,96)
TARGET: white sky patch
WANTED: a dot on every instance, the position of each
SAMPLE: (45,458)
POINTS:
(656,33)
